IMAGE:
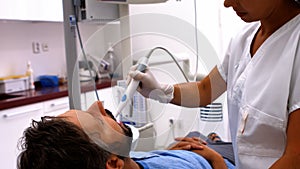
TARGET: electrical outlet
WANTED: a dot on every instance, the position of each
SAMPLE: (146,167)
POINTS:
(36,47)
(175,122)
(45,47)
(171,121)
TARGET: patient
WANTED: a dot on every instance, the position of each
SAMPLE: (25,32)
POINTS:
(94,140)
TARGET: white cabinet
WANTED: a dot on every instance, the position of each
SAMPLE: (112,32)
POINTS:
(32,10)
(56,106)
(14,121)
(105,95)
(90,98)
(12,124)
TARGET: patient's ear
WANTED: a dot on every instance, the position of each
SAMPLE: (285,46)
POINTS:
(114,162)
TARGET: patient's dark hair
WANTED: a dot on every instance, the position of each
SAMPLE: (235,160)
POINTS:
(54,143)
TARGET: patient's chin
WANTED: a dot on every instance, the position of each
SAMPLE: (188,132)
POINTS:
(126,145)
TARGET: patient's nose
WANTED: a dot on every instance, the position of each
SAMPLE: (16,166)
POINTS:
(229,3)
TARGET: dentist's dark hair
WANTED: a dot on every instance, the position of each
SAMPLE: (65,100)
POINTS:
(54,143)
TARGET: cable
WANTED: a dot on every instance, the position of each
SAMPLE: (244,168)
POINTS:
(133,85)
(172,56)
(197,48)
(76,3)
(196,39)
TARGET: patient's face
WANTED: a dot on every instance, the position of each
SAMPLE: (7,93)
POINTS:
(102,128)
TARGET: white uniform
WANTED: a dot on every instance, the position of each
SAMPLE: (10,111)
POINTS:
(262,91)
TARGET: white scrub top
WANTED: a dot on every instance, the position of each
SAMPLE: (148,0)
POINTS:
(261,92)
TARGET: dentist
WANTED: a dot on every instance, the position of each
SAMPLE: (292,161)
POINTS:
(261,74)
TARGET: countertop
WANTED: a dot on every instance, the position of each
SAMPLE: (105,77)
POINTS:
(40,94)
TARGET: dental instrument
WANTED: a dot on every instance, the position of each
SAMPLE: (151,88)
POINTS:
(133,85)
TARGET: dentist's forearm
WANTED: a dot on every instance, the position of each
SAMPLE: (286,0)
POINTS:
(201,93)
(189,95)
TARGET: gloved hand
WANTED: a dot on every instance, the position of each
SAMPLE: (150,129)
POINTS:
(149,86)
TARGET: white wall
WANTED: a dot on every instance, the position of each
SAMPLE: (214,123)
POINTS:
(16,46)
(217,23)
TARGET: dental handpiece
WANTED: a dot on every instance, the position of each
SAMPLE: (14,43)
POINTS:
(133,85)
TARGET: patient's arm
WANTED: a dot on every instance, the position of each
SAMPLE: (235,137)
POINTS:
(187,143)
(199,147)
(215,159)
